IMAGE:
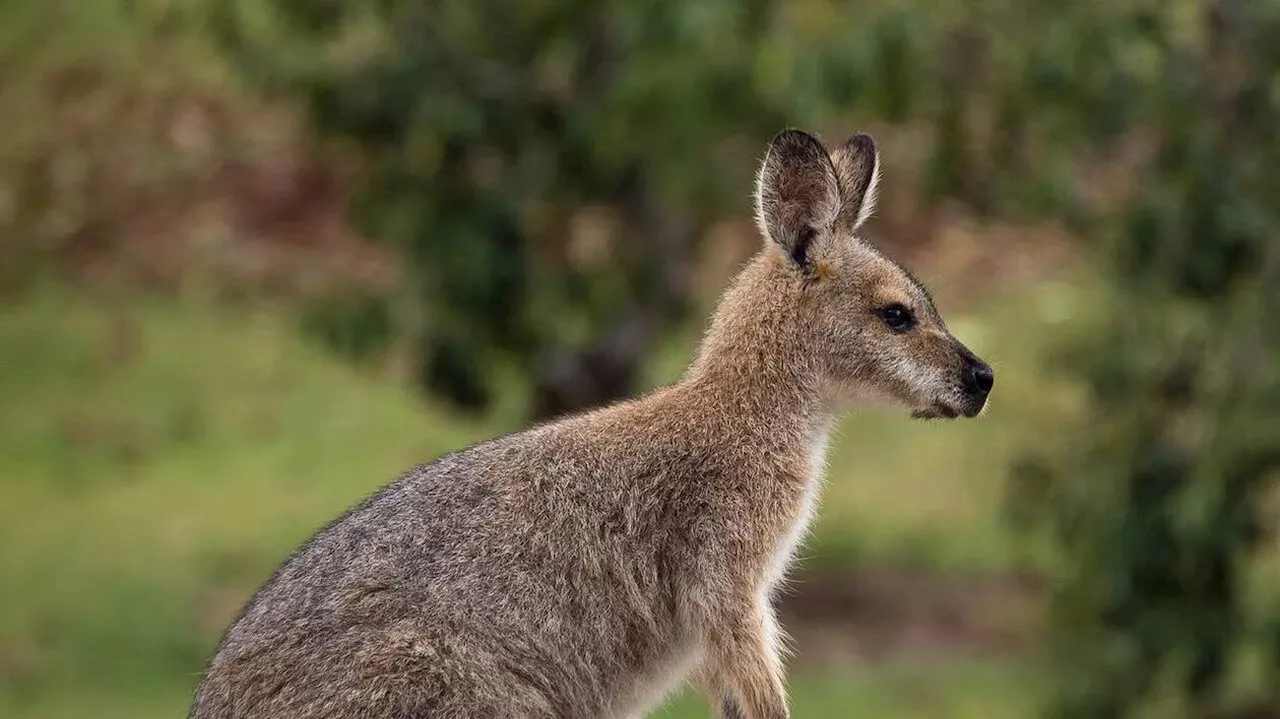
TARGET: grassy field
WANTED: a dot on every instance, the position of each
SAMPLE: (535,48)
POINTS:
(967,690)
(158,459)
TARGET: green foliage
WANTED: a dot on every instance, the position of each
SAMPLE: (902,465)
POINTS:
(1159,500)
(489,130)
(86,131)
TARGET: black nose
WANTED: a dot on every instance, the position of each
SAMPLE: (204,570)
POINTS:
(981,379)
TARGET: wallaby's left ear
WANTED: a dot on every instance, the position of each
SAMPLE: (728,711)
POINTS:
(857,164)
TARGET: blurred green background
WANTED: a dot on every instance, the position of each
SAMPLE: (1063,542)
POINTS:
(257,257)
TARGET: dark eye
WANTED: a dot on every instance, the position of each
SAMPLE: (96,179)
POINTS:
(897,318)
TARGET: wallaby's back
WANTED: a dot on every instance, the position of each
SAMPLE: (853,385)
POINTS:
(527,576)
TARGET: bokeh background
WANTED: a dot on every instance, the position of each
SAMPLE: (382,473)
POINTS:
(257,257)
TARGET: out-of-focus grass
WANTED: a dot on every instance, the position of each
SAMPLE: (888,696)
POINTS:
(963,690)
(159,459)
(158,462)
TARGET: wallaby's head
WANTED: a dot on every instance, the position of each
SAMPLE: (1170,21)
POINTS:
(871,328)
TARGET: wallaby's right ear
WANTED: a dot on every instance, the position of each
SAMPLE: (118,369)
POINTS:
(797,193)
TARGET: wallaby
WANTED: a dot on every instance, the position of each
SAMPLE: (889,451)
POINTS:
(584,567)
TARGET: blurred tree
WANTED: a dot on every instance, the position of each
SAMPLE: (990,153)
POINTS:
(546,169)
(1158,500)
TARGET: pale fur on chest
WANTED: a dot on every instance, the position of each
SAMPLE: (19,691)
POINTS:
(808,504)
(651,688)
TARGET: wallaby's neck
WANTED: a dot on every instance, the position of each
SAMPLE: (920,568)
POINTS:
(752,367)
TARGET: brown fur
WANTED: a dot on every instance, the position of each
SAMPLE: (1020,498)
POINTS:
(582,568)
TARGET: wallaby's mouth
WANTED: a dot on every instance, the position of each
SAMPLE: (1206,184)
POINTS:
(937,410)
(941,410)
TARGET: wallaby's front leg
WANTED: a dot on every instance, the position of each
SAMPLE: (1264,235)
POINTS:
(743,668)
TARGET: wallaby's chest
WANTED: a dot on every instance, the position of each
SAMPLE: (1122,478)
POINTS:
(802,512)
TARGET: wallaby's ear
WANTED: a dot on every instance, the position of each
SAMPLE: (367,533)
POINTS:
(797,196)
(857,164)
